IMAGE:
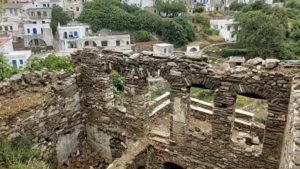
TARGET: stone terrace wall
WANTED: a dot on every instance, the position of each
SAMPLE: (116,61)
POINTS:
(290,158)
(45,107)
(182,73)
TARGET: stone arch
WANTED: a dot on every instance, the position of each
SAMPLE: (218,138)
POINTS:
(170,165)
(193,50)
(90,43)
(37,43)
(253,91)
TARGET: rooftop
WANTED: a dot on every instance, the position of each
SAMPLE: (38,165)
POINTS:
(15,6)
(4,41)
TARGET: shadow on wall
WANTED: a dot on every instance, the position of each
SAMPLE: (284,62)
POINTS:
(169,165)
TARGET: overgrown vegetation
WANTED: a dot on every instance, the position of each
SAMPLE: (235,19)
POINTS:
(142,36)
(6,70)
(51,63)
(170,8)
(58,16)
(115,15)
(18,154)
(269,32)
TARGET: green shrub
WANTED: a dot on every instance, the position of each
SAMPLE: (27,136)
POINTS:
(199,9)
(118,81)
(6,70)
(143,36)
(232,52)
(51,63)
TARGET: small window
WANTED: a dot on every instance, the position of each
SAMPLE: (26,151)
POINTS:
(34,22)
(165,50)
(228,28)
(71,7)
(21,62)
(86,43)
(45,13)
(104,43)
(14,63)
(118,43)
(77,8)
(42,31)
(127,42)
(28,30)
(44,5)
(43,22)
(0,28)
(34,31)
(32,13)
(65,35)
(75,34)
(11,28)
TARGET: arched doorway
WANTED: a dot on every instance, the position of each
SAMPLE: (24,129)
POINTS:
(37,43)
(169,165)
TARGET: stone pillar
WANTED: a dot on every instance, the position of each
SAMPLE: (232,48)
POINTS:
(96,84)
(180,101)
(275,126)
(223,117)
(136,99)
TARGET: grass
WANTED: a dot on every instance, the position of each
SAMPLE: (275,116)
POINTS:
(202,94)
(18,154)
(243,101)
(156,93)
(12,106)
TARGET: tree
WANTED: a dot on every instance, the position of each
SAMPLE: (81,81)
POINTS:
(171,8)
(114,15)
(174,33)
(6,70)
(58,16)
(188,28)
(142,36)
(262,34)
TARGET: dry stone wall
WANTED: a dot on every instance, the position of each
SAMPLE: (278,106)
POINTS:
(216,150)
(45,107)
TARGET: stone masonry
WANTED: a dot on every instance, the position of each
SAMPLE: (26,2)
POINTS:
(75,118)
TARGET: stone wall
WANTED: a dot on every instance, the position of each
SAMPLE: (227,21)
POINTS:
(290,156)
(45,107)
(216,150)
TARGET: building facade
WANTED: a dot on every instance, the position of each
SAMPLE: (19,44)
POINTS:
(226,28)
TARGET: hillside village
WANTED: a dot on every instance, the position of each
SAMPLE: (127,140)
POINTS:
(149,84)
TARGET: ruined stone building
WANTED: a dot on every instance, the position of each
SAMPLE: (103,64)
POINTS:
(75,118)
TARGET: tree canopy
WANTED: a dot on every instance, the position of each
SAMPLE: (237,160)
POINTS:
(114,15)
(58,16)
(171,8)
(262,34)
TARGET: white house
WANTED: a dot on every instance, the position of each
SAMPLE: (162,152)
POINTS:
(163,49)
(15,58)
(226,28)
(115,42)
(69,34)
(37,34)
